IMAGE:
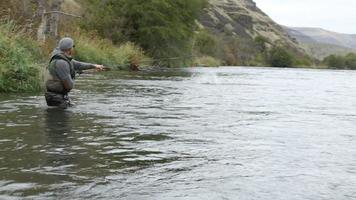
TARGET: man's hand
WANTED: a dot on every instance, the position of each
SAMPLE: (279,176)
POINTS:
(99,67)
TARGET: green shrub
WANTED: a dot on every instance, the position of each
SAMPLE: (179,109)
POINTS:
(205,43)
(334,61)
(350,61)
(279,57)
(341,62)
(303,62)
(20,56)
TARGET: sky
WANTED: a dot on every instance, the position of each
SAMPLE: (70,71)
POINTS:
(333,15)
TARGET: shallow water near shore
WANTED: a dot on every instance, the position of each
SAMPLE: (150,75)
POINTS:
(198,133)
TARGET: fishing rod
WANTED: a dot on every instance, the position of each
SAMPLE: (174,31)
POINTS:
(168,58)
(134,66)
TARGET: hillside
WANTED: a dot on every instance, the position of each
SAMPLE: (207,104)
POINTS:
(299,36)
(321,43)
(243,21)
(328,37)
(322,50)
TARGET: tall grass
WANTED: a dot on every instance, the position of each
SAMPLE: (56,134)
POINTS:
(20,56)
(90,48)
(207,61)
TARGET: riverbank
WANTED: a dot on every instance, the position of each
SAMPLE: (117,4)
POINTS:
(20,56)
(23,60)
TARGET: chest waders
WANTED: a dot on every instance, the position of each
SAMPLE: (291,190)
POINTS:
(56,95)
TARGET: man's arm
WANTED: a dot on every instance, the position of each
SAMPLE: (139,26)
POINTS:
(79,66)
(63,71)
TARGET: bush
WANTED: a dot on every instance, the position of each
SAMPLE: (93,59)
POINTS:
(350,61)
(205,43)
(20,58)
(341,62)
(334,61)
(279,57)
(303,61)
(207,61)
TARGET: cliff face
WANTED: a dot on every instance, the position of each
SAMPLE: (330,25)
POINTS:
(243,20)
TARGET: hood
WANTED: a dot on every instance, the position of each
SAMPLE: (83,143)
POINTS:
(57,51)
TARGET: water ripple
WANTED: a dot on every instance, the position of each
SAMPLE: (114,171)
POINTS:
(217,133)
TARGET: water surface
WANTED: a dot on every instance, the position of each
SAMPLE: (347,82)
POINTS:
(202,133)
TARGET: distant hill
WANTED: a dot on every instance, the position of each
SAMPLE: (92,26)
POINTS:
(243,21)
(300,36)
(320,43)
(321,50)
(328,37)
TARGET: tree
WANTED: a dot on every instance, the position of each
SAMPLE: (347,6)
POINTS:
(50,14)
(334,61)
(205,43)
(350,61)
(279,57)
(26,8)
(164,28)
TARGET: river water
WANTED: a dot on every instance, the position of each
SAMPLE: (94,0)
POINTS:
(200,133)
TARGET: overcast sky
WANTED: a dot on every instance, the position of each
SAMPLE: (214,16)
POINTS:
(334,15)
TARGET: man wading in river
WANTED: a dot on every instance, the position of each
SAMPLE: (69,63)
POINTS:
(61,74)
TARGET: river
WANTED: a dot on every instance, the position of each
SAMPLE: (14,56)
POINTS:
(198,133)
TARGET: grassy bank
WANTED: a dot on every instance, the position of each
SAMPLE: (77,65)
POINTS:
(23,61)
(20,56)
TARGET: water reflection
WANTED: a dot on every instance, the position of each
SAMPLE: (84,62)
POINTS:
(57,121)
(58,127)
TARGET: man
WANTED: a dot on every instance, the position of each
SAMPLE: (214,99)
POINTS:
(61,73)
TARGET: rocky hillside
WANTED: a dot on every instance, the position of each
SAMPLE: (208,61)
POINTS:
(242,19)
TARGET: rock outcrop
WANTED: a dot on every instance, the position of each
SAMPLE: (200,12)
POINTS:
(243,18)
